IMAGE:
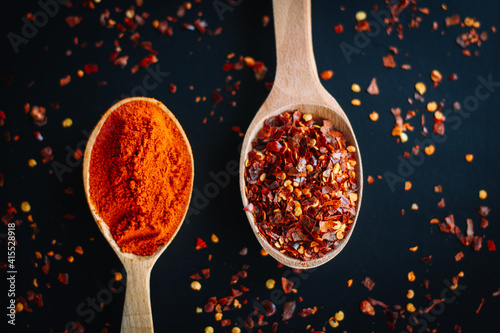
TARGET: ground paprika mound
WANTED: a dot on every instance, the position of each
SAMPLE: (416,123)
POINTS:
(140,176)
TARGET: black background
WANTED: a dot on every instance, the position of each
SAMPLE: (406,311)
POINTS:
(379,246)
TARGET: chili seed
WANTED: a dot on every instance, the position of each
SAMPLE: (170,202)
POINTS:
(339,316)
(195,285)
(356,88)
(19,307)
(374,116)
(215,239)
(333,323)
(361,16)
(236,330)
(432,106)
(32,163)
(414,206)
(25,206)
(414,249)
(411,276)
(218,316)
(438,115)
(356,102)
(469,157)
(263,252)
(209,329)
(270,284)
(410,294)
(483,194)
(199,310)
(407,185)
(307,117)
(436,76)
(349,283)
(429,150)
(67,122)
(403,136)
(410,307)
(80,73)
(118,276)
(420,87)
(326,75)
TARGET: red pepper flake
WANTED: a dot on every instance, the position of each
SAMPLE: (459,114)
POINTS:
(453,77)
(483,211)
(63,278)
(288,310)
(306,312)
(79,250)
(339,28)
(47,155)
(172,88)
(426,260)
(452,20)
(389,61)
(225,322)
(368,283)
(441,203)
(374,302)
(121,61)
(477,243)
(150,59)
(200,244)
(326,75)
(71,21)
(65,80)
(484,223)
(373,87)
(480,306)
(200,26)
(362,26)
(459,256)
(206,272)
(391,317)
(212,302)
(195,276)
(90,68)
(287,285)
(37,113)
(1,179)
(216,98)
(367,308)
(491,245)
(269,307)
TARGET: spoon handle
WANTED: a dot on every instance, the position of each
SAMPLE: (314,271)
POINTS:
(137,316)
(296,66)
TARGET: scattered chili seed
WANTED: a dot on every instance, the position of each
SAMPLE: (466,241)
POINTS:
(209,329)
(403,136)
(410,307)
(483,194)
(407,185)
(431,106)
(420,87)
(469,157)
(118,276)
(215,239)
(263,253)
(356,88)
(429,150)
(339,316)
(411,276)
(367,308)
(349,282)
(361,16)
(270,284)
(436,76)
(67,122)
(333,322)
(25,206)
(414,249)
(236,330)
(410,294)
(32,163)
(195,285)
(326,75)
(356,102)
(79,250)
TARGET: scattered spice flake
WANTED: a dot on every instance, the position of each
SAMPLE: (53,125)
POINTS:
(441,203)
(37,113)
(370,180)
(480,306)
(483,211)
(216,98)
(90,68)
(63,278)
(172,88)
(65,80)
(307,312)
(195,276)
(200,244)
(452,20)
(287,285)
(391,317)
(148,60)
(121,61)
(243,251)
(367,308)
(389,61)
(288,310)
(269,307)
(368,283)
(326,75)
(339,28)
(496,293)
(1,179)
(491,245)
(373,87)
(459,256)
(71,21)
(477,243)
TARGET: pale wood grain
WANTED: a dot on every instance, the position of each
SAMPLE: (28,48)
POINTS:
(297,86)
(137,316)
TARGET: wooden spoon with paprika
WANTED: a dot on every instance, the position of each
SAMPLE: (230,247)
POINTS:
(297,87)
(133,145)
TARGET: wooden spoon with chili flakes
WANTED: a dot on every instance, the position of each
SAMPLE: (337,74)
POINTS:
(137,315)
(297,87)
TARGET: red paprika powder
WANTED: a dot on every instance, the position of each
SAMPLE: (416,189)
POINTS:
(140,176)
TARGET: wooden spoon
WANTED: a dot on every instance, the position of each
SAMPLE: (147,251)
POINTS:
(297,86)
(137,316)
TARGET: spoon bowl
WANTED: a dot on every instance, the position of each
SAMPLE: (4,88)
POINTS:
(137,315)
(297,87)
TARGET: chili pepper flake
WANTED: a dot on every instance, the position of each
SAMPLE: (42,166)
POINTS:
(459,256)
(374,116)
(63,278)
(200,244)
(373,87)
(368,283)
(65,80)
(287,285)
(491,245)
(367,308)
(72,21)
(339,28)
(326,75)
(480,306)
(79,250)
(389,61)
(288,310)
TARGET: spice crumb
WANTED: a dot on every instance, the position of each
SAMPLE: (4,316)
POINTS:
(469,157)
(483,194)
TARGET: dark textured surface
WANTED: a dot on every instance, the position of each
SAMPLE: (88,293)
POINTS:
(379,246)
